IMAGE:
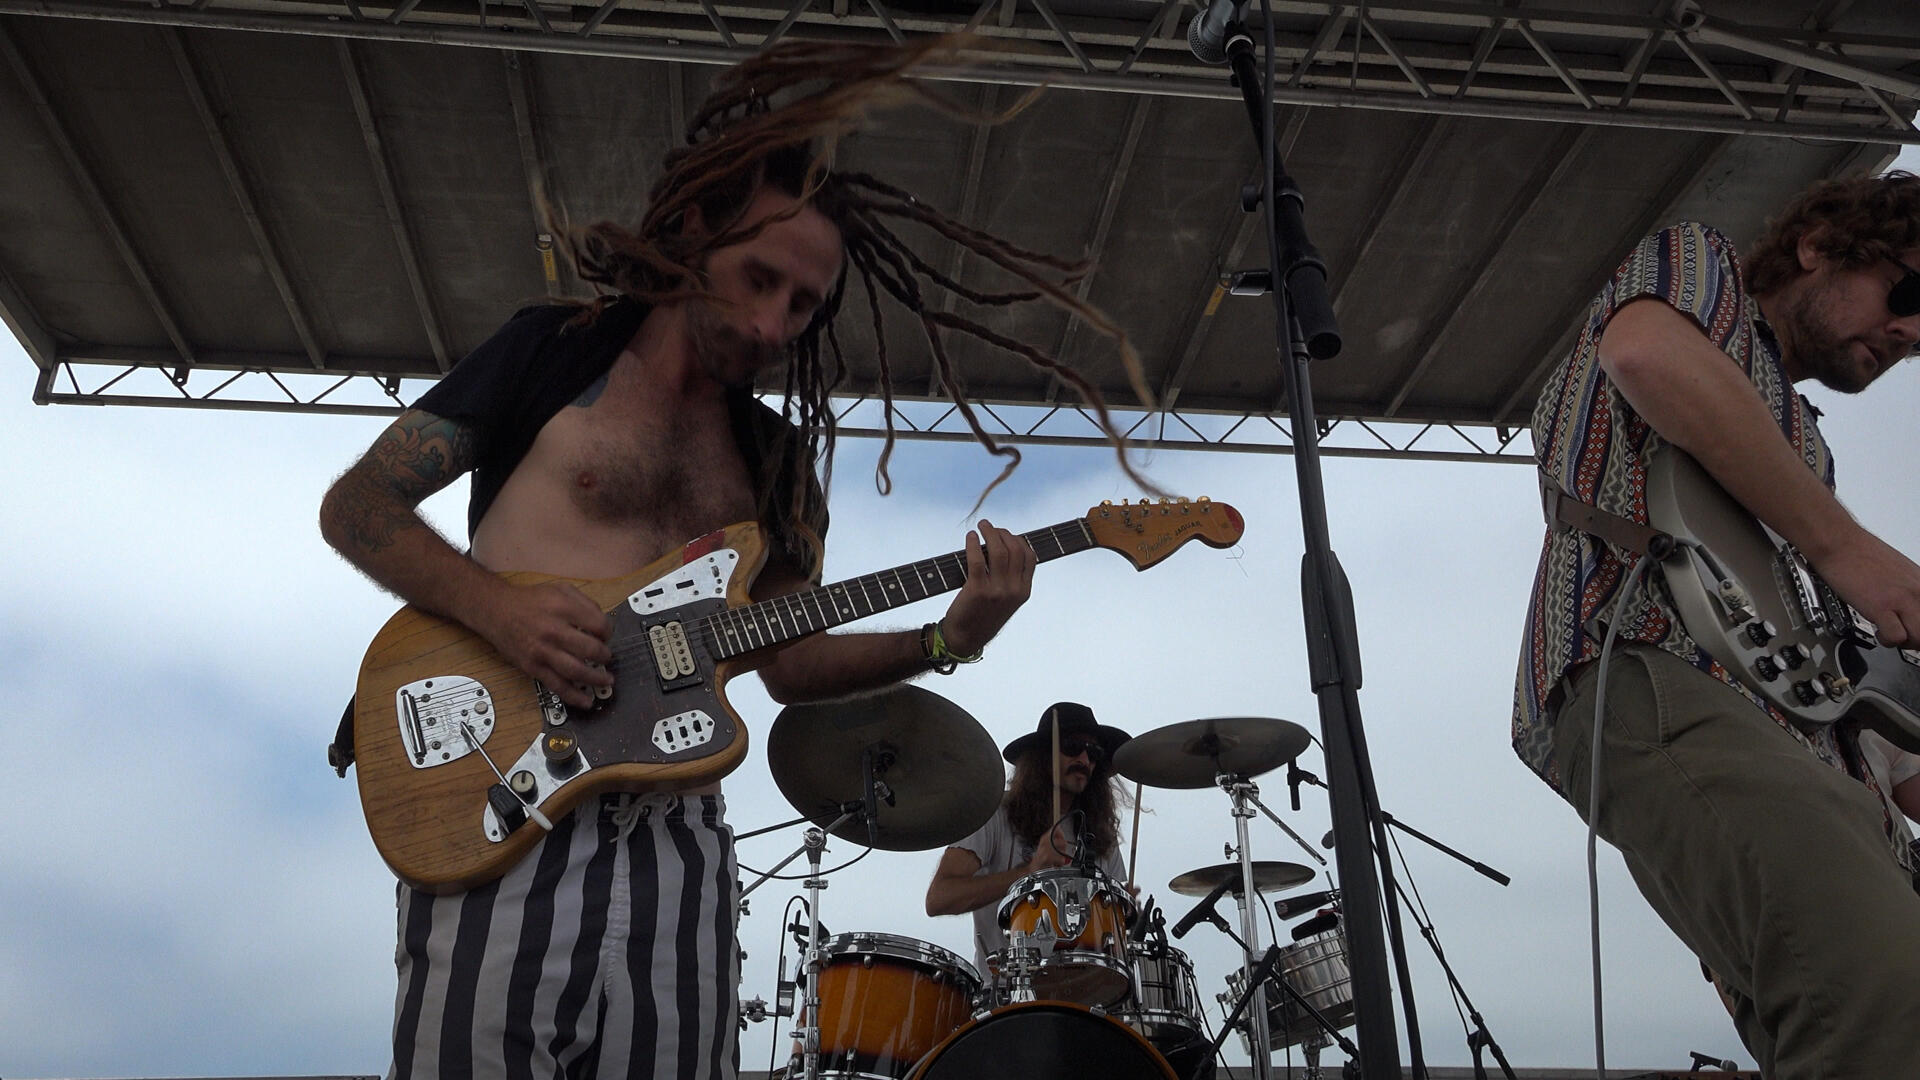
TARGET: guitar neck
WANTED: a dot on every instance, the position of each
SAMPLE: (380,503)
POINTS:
(784,618)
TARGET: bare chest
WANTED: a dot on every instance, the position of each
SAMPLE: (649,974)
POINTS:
(610,487)
(669,468)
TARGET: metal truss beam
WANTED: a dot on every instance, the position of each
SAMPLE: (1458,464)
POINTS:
(1240,230)
(382,168)
(520,91)
(1551,347)
(1103,224)
(18,315)
(969,208)
(212,121)
(1546,177)
(96,199)
(230,382)
(1412,57)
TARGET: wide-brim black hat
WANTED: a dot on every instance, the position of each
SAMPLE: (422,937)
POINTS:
(1074,719)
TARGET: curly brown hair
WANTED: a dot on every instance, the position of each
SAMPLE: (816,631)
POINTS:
(1855,220)
(1029,801)
(739,139)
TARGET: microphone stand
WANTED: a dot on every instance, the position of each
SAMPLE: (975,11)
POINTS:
(1305,328)
(1479,1038)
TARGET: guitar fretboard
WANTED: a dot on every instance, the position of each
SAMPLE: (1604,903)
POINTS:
(754,626)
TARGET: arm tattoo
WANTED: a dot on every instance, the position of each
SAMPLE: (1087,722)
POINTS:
(416,456)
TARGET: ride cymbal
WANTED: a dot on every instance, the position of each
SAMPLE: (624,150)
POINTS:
(939,765)
(1268,876)
(1192,753)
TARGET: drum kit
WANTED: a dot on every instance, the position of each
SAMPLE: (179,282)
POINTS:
(1089,982)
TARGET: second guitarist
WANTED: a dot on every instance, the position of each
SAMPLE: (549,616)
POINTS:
(1770,852)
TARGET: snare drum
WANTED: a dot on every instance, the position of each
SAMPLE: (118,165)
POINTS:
(1317,969)
(885,1001)
(1085,914)
(1166,1005)
(1042,1040)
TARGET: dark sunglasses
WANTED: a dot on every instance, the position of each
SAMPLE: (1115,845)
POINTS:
(1904,298)
(1075,747)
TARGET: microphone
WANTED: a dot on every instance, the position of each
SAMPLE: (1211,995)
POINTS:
(1201,910)
(1207,33)
(1300,905)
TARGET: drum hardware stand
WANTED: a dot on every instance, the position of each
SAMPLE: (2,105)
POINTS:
(1305,329)
(1021,958)
(1253,796)
(1263,972)
(1243,792)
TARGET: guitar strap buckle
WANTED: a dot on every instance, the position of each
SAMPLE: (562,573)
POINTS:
(1563,510)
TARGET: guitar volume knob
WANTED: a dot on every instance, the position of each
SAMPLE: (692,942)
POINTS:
(1761,632)
(1805,694)
(1766,669)
(1793,655)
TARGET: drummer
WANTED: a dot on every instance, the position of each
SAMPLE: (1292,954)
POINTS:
(975,874)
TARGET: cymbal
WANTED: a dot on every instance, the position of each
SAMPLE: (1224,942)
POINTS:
(1268,876)
(941,766)
(1191,753)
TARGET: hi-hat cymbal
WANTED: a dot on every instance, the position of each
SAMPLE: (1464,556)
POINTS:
(1190,754)
(940,765)
(1268,876)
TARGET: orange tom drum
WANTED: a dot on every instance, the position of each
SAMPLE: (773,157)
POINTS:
(885,1001)
(1085,914)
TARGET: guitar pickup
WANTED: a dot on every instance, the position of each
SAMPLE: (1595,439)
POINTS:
(673,655)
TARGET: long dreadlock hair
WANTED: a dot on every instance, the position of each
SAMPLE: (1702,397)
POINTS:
(738,140)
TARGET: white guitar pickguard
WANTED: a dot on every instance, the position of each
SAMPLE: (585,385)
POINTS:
(705,578)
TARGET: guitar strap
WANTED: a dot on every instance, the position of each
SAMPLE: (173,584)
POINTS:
(340,750)
(1562,509)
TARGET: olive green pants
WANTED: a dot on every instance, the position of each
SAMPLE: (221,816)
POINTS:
(1773,867)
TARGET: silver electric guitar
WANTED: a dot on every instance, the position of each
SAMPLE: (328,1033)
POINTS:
(1755,604)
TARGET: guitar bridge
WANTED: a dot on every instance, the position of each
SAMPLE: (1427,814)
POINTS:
(436,714)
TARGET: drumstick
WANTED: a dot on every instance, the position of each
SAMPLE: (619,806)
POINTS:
(1133,851)
(1055,715)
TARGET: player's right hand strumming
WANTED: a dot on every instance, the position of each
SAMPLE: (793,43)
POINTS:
(1879,582)
(552,632)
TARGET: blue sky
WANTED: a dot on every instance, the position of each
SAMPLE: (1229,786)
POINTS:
(189,890)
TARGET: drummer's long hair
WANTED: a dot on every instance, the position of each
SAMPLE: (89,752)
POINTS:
(1029,802)
(775,120)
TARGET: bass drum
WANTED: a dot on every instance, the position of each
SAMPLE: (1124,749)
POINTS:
(1044,1040)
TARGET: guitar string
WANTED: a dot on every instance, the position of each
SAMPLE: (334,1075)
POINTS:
(629,648)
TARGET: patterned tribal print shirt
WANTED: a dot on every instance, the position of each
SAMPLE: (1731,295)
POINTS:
(1588,439)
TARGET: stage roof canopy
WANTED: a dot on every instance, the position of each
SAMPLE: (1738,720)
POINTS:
(317,206)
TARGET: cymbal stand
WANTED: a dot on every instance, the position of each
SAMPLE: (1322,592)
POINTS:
(809,1032)
(1244,793)
(1254,797)
(814,843)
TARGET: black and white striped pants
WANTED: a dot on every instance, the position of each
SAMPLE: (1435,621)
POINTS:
(609,951)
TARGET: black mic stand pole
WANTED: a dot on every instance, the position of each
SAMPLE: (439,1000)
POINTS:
(1304,329)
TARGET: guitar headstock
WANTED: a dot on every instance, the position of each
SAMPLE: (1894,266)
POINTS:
(1147,532)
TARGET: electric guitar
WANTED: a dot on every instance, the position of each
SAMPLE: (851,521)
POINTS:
(1754,603)
(464,761)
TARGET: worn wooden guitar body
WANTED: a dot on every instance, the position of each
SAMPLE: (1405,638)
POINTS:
(465,762)
(426,682)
